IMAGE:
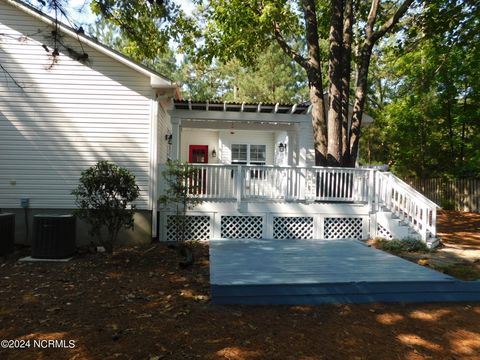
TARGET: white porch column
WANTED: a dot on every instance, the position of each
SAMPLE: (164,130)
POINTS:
(176,138)
(292,147)
(305,143)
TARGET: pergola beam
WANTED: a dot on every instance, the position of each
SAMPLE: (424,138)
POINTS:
(239,116)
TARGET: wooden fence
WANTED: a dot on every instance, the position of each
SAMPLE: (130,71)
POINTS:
(458,194)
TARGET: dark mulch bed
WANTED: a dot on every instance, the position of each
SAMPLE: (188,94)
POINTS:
(138,304)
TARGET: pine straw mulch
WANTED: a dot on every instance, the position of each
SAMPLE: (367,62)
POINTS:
(137,304)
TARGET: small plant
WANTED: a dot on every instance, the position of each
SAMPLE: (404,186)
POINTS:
(399,246)
(104,198)
(182,186)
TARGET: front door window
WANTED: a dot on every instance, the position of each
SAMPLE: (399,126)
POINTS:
(198,154)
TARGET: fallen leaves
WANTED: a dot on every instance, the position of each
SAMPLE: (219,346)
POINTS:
(147,309)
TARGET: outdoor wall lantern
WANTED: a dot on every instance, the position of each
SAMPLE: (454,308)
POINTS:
(282,147)
(214,153)
(168,137)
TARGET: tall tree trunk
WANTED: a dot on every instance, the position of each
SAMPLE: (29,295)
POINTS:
(359,105)
(346,74)
(312,66)
(371,37)
(464,128)
(314,73)
(335,77)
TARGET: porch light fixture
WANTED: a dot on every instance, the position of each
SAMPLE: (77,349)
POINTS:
(214,153)
(168,137)
(282,147)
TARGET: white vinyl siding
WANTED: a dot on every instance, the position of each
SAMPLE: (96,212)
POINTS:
(164,128)
(65,117)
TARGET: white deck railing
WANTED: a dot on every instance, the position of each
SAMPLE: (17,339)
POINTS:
(248,182)
(360,185)
(408,204)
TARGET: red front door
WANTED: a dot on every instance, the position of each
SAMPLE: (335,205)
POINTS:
(198,154)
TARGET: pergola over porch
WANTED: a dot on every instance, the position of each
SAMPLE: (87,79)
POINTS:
(281,127)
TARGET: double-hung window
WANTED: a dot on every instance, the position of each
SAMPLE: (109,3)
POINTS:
(240,154)
(247,154)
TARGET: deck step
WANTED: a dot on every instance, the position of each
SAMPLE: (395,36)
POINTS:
(362,292)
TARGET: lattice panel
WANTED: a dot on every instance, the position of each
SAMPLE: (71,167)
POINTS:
(343,228)
(241,227)
(293,228)
(384,233)
(196,227)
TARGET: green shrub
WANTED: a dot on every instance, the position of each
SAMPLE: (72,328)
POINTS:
(104,198)
(447,204)
(399,246)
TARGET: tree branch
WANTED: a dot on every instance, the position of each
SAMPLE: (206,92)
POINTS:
(288,49)
(372,16)
(390,23)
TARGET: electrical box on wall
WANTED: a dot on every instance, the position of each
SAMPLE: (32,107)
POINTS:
(24,203)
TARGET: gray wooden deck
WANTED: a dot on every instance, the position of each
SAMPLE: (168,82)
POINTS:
(317,271)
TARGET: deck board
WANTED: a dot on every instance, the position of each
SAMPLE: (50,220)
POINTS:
(300,262)
(323,271)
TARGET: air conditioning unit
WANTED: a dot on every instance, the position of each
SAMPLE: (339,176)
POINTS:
(53,236)
(7,233)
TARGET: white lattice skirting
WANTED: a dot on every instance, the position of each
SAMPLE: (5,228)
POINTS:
(343,228)
(241,227)
(293,227)
(196,227)
(268,226)
(383,233)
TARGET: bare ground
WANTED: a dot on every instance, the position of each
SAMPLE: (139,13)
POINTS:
(138,304)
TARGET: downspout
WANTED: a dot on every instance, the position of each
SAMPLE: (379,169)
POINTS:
(154,104)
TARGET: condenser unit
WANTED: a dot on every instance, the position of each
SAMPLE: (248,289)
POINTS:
(53,236)
(7,233)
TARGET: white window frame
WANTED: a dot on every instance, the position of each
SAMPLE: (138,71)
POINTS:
(248,161)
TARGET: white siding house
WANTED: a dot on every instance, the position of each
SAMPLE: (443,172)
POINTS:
(254,162)
(60,115)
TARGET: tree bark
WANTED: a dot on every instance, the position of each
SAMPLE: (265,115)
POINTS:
(314,73)
(335,72)
(371,37)
(346,74)
(359,105)
(464,128)
(312,66)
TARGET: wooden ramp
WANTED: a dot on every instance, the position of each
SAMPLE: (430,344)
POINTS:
(323,271)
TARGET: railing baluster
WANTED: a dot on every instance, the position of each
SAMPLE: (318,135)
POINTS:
(378,189)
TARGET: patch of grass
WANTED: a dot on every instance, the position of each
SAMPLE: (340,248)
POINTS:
(460,271)
(399,246)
